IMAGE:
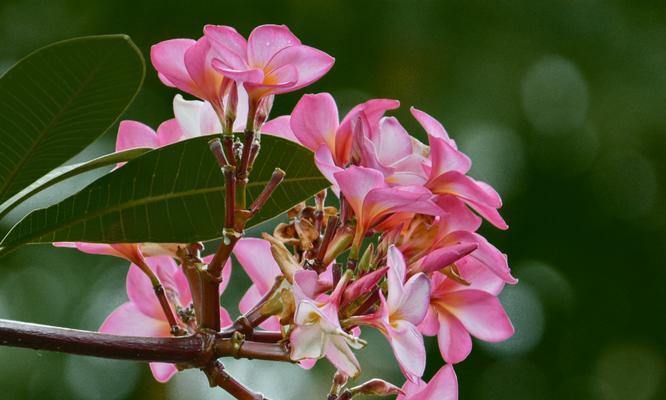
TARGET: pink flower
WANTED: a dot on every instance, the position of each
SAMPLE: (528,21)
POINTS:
(448,169)
(398,315)
(456,238)
(142,315)
(317,332)
(372,199)
(271,61)
(458,311)
(442,386)
(314,124)
(186,64)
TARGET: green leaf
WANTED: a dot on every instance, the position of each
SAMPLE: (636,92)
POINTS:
(58,100)
(62,173)
(171,195)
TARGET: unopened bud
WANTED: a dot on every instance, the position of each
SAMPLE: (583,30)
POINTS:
(263,111)
(340,242)
(376,387)
(364,262)
(230,110)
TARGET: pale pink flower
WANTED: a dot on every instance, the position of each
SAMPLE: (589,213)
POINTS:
(399,314)
(271,61)
(186,64)
(317,332)
(372,199)
(142,315)
(442,386)
(457,311)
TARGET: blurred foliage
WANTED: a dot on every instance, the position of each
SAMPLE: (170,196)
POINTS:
(560,104)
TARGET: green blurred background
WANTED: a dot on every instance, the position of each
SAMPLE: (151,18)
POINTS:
(562,107)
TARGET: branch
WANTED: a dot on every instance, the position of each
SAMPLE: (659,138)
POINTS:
(217,376)
(195,350)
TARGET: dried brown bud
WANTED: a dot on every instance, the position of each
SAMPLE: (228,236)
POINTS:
(285,260)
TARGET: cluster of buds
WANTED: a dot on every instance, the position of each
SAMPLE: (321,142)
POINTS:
(399,253)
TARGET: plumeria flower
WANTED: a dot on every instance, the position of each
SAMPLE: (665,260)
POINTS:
(386,146)
(399,314)
(371,198)
(186,64)
(271,61)
(442,386)
(317,332)
(455,238)
(457,311)
(448,173)
(142,315)
(314,123)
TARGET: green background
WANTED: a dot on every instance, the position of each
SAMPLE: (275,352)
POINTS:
(561,106)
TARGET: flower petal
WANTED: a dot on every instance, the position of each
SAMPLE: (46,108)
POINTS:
(442,386)
(198,62)
(168,58)
(444,256)
(163,371)
(445,157)
(128,320)
(307,341)
(396,277)
(314,121)
(255,257)
(310,63)
(415,300)
(431,125)
(142,295)
(356,182)
(132,134)
(430,324)
(407,344)
(280,127)
(393,142)
(230,46)
(453,340)
(169,132)
(265,41)
(342,357)
(480,313)
(486,253)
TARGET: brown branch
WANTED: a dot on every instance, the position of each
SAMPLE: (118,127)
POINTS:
(195,350)
(251,350)
(217,376)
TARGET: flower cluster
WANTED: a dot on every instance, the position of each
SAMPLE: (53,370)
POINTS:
(400,253)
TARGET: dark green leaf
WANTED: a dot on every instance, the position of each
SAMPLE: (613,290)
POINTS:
(172,194)
(58,100)
(62,173)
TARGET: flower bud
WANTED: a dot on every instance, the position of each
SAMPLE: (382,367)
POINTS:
(376,387)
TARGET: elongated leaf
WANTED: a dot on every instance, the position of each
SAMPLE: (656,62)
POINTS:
(62,173)
(174,194)
(58,100)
